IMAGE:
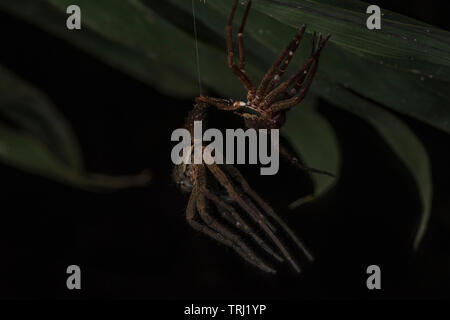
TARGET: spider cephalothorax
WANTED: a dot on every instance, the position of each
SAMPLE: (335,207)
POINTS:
(266,104)
(221,189)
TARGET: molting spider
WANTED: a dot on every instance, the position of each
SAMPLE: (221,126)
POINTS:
(222,189)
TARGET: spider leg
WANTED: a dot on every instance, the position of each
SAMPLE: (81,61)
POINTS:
(214,234)
(221,104)
(298,85)
(229,238)
(255,208)
(299,76)
(233,239)
(230,214)
(296,162)
(300,81)
(282,70)
(269,77)
(190,215)
(248,206)
(282,88)
(239,72)
(289,103)
(219,173)
(240,107)
(235,174)
(256,216)
(241,37)
(306,70)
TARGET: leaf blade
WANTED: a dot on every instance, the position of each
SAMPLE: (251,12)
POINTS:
(42,142)
(403,143)
(313,137)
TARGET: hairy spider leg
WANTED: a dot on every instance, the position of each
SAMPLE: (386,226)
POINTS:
(221,104)
(225,208)
(232,216)
(236,241)
(311,66)
(190,216)
(255,208)
(241,109)
(301,80)
(235,174)
(289,103)
(259,217)
(299,83)
(295,44)
(241,38)
(249,86)
(284,86)
(270,74)
(228,185)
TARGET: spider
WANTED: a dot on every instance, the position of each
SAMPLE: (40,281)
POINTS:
(223,189)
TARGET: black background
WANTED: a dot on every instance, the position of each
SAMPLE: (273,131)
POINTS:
(136,243)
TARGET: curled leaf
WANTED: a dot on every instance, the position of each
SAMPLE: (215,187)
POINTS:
(41,142)
(314,139)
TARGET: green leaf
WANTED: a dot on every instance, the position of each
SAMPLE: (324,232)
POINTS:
(42,143)
(399,137)
(407,44)
(315,141)
(138,64)
(31,111)
(132,38)
(25,152)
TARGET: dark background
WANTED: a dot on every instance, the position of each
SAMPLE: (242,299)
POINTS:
(137,244)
